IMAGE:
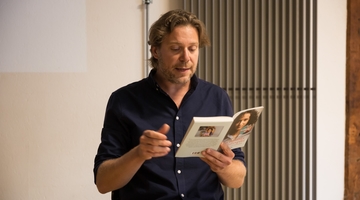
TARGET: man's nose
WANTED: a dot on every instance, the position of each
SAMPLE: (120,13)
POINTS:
(185,57)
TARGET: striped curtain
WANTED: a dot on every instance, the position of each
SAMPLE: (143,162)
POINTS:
(263,52)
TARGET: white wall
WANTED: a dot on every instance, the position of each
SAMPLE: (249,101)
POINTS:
(38,29)
(331,63)
(50,123)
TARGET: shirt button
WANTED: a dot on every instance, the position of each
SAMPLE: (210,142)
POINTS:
(182,195)
(179,171)
(178,145)
(177,117)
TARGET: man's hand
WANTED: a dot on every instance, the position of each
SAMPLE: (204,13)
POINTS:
(116,173)
(231,172)
(218,160)
(154,143)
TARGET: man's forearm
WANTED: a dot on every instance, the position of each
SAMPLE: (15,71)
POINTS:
(233,176)
(116,173)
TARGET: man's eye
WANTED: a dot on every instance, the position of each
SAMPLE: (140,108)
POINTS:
(193,49)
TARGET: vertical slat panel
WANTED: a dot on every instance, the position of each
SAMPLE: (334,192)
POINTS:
(265,194)
(275,111)
(288,98)
(262,54)
(214,26)
(280,100)
(308,97)
(314,85)
(256,147)
(270,106)
(234,75)
(302,138)
(295,109)
(262,101)
(248,62)
(292,104)
(306,100)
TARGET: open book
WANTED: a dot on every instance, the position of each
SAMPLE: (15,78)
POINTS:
(209,132)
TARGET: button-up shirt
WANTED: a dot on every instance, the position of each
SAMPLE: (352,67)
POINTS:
(144,105)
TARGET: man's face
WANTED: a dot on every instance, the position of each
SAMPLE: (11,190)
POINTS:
(178,55)
(243,121)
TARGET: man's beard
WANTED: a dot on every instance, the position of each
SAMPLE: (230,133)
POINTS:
(171,77)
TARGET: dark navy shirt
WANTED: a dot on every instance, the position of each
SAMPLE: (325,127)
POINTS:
(143,105)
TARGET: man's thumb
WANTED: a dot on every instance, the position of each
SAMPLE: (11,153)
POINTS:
(164,129)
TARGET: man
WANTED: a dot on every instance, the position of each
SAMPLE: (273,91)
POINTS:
(145,122)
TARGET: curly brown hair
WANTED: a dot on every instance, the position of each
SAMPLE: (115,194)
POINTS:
(166,24)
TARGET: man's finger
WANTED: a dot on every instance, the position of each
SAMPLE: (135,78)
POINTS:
(226,149)
(164,129)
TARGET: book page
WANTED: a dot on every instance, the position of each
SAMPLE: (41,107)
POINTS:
(202,134)
(242,127)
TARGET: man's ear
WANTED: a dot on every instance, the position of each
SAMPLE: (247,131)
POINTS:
(154,52)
